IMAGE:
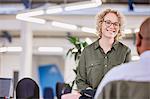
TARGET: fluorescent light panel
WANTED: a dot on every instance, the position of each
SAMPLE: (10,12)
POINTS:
(64,25)
(33,13)
(97,1)
(136,30)
(31,19)
(3,49)
(127,31)
(81,5)
(14,49)
(88,30)
(10,49)
(50,49)
(52,10)
(28,16)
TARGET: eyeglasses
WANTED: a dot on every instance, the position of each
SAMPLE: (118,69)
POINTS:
(108,23)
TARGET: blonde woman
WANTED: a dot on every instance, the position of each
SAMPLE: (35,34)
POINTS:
(106,52)
(99,57)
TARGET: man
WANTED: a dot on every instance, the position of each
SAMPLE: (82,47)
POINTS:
(138,71)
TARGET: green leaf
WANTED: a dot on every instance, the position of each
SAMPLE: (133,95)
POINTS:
(78,46)
(73,40)
(69,51)
(84,44)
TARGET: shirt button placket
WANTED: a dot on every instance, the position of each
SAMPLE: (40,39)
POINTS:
(105,61)
(105,64)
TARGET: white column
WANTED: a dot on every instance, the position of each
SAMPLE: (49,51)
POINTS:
(1,64)
(26,55)
(69,74)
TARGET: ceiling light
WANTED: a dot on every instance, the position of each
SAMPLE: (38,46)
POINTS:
(28,16)
(64,25)
(127,31)
(81,5)
(89,30)
(52,10)
(136,30)
(14,49)
(10,49)
(33,13)
(31,19)
(3,49)
(50,49)
(97,1)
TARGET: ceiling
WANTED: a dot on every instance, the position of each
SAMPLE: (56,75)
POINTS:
(84,17)
(72,1)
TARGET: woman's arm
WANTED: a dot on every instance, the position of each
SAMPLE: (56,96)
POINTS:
(81,79)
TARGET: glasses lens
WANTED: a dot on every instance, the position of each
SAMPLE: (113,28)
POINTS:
(108,23)
(116,24)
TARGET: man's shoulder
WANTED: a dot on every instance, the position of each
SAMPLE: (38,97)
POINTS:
(120,71)
(123,66)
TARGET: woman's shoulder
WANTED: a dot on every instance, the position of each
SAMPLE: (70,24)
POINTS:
(93,45)
(124,46)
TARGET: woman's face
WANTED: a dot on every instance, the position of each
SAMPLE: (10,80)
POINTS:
(110,26)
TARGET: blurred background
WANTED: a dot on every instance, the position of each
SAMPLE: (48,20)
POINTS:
(34,35)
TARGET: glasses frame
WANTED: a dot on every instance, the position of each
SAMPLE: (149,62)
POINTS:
(108,23)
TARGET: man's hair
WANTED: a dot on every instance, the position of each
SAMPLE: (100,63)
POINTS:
(100,19)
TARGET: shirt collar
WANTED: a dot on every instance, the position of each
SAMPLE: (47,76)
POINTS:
(97,44)
(115,44)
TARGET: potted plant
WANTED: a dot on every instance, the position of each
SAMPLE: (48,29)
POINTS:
(76,50)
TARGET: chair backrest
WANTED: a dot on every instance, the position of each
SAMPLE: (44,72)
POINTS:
(27,88)
(6,87)
(59,88)
(126,90)
(62,88)
(48,93)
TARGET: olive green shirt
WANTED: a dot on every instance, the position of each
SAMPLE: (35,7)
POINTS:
(94,63)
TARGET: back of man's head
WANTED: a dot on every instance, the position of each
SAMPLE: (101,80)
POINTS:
(145,29)
(143,37)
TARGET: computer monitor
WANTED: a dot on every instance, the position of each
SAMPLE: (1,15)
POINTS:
(6,87)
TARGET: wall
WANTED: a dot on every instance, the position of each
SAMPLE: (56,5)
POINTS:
(11,61)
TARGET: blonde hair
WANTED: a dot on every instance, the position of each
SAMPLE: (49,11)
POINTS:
(100,19)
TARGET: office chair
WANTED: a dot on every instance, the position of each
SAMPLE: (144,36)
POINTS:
(62,88)
(27,88)
(48,93)
(6,88)
(126,90)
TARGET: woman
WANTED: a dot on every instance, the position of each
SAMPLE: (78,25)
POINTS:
(99,57)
